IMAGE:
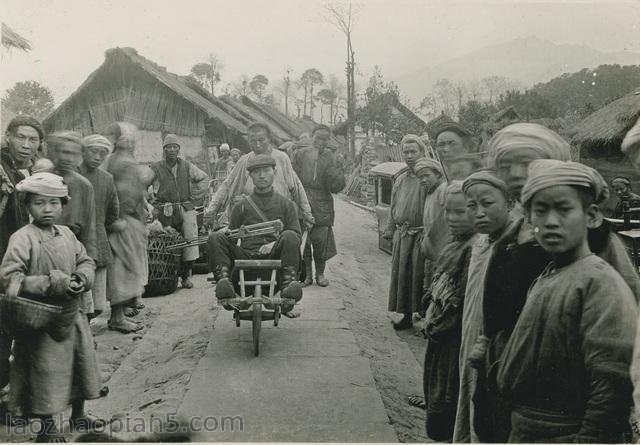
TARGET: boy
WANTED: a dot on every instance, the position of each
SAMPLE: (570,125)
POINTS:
(46,261)
(488,206)
(446,294)
(565,369)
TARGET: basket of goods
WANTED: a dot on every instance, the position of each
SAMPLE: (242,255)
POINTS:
(164,261)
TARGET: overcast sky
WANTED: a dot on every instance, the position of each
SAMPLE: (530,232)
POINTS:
(69,37)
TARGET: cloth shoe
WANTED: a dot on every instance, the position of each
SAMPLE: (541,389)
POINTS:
(187,283)
(320,278)
(291,287)
(224,288)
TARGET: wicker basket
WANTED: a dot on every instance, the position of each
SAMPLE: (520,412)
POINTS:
(164,264)
(20,314)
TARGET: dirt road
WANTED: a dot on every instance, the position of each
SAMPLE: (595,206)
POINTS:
(339,373)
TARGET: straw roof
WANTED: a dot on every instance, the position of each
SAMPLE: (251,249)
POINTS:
(11,39)
(127,86)
(609,124)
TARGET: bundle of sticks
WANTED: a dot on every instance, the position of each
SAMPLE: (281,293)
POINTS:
(265,228)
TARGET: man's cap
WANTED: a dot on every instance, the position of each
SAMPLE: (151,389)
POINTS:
(170,139)
(260,161)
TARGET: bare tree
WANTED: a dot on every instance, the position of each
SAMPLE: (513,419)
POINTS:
(286,86)
(343,16)
(208,73)
(241,87)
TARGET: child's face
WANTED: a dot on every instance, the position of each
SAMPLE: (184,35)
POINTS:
(487,207)
(428,178)
(45,210)
(560,222)
(456,215)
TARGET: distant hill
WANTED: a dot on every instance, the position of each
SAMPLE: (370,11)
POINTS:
(527,60)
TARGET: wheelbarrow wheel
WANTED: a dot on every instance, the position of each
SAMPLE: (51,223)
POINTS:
(257,323)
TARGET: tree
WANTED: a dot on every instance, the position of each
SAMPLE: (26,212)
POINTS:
(475,113)
(286,86)
(29,97)
(445,93)
(495,85)
(343,16)
(241,87)
(337,87)
(308,80)
(326,97)
(257,86)
(208,73)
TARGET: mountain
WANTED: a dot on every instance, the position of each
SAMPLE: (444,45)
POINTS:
(526,60)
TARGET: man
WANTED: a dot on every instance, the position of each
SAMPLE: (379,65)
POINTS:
(456,148)
(65,150)
(321,176)
(223,164)
(264,204)
(239,182)
(172,184)
(235,155)
(95,149)
(24,136)
(622,188)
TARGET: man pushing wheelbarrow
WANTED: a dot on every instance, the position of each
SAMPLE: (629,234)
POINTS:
(260,209)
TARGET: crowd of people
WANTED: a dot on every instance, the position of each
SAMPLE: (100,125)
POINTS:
(74,227)
(529,298)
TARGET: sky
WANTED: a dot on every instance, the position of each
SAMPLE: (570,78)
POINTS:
(69,37)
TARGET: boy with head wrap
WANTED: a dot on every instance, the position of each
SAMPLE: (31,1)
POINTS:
(405,229)
(488,206)
(45,261)
(446,295)
(622,188)
(565,368)
(516,261)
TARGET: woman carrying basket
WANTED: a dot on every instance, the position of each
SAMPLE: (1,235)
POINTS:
(55,365)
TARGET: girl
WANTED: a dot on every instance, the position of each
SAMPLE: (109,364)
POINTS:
(46,262)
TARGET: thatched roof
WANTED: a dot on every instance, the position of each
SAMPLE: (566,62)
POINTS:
(609,124)
(434,124)
(508,113)
(113,70)
(11,39)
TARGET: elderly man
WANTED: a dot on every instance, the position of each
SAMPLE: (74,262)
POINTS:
(95,149)
(321,175)
(65,151)
(235,155)
(239,182)
(264,204)
(223,163)
(173,180)
(405,229)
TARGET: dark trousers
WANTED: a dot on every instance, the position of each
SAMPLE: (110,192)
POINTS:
(223,252)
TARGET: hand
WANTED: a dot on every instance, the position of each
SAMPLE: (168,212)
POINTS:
(266,249)
(478,352)
(59,283)
(76,286)
(308,225)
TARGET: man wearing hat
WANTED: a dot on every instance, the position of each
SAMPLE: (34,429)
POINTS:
(223,163)
(173,178)
(264,204)
(95,149)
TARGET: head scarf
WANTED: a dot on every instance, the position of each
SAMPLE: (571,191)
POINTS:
(622,179)
(408,138)
(454,187)
(97,140)
(488,177)
(45,184)
(545,173)
(170,139)
(122,135)
(224,147)
(432,164)
(235,150)
(547,143)
(65,136)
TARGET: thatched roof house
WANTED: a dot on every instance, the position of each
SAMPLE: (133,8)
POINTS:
(600,134)
(128,87)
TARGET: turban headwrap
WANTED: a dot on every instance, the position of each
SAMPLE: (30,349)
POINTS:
(170,139)
(408,138)
(46,184)
(97,140)
(122,135)
(423,163)
(65,136)
(235,150)
(545,142)
(625,181)
(454,187)
(224,147)
(545,173)
(487,177)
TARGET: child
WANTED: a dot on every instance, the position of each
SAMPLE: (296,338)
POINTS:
(488,207)
(444,316)
(565,369)
(47,262)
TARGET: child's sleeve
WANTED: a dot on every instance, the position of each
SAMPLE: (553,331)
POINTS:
(607,326)
(85,266)
(15,266)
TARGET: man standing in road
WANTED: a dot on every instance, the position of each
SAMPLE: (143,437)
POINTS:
(173,178)
(321,176)
(239,183)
